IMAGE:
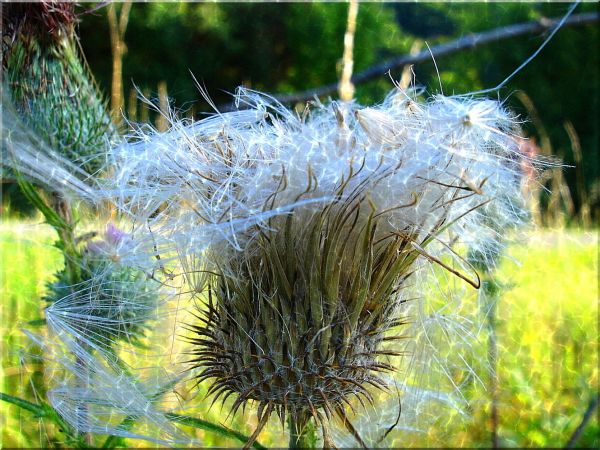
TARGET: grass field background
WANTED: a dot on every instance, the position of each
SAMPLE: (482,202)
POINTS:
(547,334)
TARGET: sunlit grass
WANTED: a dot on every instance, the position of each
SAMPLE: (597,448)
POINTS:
(27,261)
(548,360)
(547,335)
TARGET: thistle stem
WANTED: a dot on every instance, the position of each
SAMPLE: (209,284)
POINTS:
(302,432)
(71,257)
(67,238)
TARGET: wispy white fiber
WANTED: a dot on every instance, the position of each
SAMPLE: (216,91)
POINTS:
(224,177)
(95,396)
(444,171)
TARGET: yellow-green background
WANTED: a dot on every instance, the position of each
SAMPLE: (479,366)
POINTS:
(547,335)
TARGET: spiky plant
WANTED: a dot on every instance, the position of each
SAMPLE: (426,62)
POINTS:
(49,83)
(52,111)
(57,103)
(302,238)
(111,302)
(297,321)
(308,230)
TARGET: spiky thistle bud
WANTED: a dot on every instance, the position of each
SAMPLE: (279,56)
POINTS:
(111,302)
(49,85)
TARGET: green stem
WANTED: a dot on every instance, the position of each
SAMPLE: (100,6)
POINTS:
(34,408)
(302,432)
(72,257)
(68,240)
(213,428)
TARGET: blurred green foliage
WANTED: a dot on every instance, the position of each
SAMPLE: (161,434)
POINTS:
(267,46)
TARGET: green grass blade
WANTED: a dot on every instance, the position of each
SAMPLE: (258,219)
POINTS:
(45,410)
(37,410)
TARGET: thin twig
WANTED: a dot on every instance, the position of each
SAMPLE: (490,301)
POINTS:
(94,8)
(586,418)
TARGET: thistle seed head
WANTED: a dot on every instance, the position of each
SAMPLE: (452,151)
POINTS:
(300,235)
(297,319)
(340,210)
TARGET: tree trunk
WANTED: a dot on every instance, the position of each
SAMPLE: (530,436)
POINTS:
(117,28)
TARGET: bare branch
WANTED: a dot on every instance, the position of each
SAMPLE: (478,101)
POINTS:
(124,18)
(586,418)
(470,41)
